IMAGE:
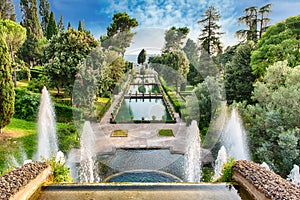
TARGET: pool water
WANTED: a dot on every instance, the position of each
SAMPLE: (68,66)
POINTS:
(139,108)
(144,177)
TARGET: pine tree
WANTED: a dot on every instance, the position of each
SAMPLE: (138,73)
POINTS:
(7,94)
(60,25)
(210,37)
(7,10)
(51,28)
(30,51)
(45,15)
(251,20)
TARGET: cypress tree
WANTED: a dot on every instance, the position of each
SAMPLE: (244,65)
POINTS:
(7,10)
(80,26)
(51,28)
(142,57)
(60,25)
(7,94)
(69,25)
(45,14)
(30,51)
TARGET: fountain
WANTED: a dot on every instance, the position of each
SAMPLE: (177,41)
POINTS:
(220,161)
(265,165)
(294,176)
(234,138)
(192,157)
(87,171)
(47,139)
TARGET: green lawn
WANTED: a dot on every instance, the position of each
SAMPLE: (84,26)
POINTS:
(119,133)
(165,132)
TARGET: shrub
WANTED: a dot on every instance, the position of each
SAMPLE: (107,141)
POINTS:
(67,137)
(61,173)
(26,105)
(64,113)
(142,89)
(227,170)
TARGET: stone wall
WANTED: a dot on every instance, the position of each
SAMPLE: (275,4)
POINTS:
(23,181)
(262,183)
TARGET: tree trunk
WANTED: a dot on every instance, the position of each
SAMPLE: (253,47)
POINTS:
(57,87)
(0,131)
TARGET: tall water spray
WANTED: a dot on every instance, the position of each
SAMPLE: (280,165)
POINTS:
(294,176)
(47,139)
(87,171)
(192,157)
(220,161)
(234,138)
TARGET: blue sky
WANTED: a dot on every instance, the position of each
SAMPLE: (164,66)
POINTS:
(155,16)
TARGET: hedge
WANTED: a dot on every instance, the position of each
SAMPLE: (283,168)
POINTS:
(64,113)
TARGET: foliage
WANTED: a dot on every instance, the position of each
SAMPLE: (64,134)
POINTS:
(65,113)
(191,50)
(61,61)
(30,52)
(60,25)
(142,89)
(7,93)
(280,42)
(174,38)
(102,107)
(165,132)
(119,34)
(207,174)
(7,10)
(15,36)
(37,84)
(227,170)
(254,16)
(203,105)
(26,105)
(60,171)
(210,37)
(68,137)
(44,11)
(142,57)
(51,27)
(238,75)
(272,122)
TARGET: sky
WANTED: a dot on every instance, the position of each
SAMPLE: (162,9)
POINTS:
(156,16)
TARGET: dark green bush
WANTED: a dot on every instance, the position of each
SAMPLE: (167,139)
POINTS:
(142,89)
(26,105)
(64,113)
(68,137)
(36,72)
(21,74)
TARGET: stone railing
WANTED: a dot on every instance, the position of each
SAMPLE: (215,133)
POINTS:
(23,182)
(262,183)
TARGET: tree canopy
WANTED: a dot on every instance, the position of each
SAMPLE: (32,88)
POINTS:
(119,34)
(64,53)
(238,75)
(280,42)
(174,38)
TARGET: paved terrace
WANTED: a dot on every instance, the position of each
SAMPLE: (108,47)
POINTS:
(139,135)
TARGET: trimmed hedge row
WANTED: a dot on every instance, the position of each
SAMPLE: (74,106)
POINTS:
(104,109)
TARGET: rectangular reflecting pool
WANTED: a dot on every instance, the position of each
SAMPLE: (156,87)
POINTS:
(141,191)
(142,108)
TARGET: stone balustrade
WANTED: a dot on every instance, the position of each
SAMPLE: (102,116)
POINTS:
(262,183)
